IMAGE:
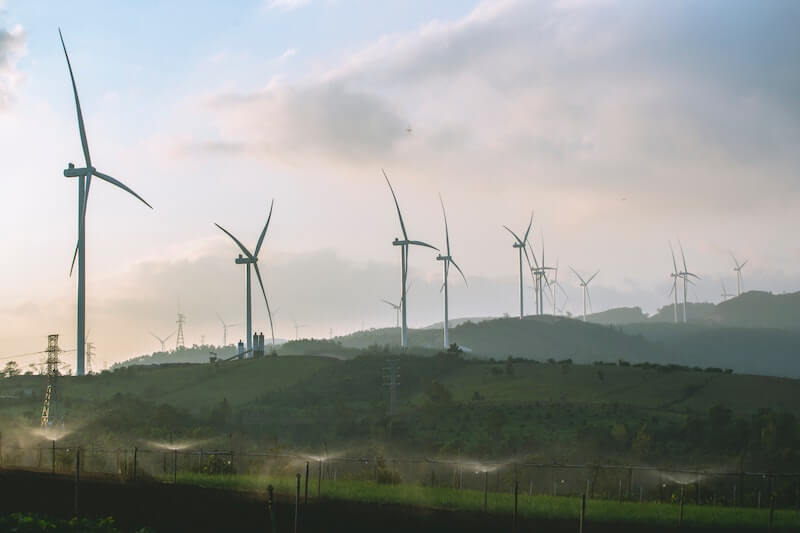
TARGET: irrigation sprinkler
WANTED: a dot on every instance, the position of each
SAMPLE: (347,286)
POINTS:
(77,477)
(583,513)
(297,503)
(305,498)
(680,512)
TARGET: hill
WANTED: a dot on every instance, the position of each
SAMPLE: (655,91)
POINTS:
(619,315)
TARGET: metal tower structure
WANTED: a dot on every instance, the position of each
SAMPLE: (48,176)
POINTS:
(49,407)
(89,356)
(179,341)
(391,379)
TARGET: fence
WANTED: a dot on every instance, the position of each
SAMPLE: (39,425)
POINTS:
(623,483)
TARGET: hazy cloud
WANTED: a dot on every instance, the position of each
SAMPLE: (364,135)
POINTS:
(287,5)
(12,45)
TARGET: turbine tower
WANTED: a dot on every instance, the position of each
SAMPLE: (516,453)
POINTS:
(738,269)
(725,294)
(225,330)
(520,244)
(685,275)
(585,285)
(297,328)
(84,176)
(447,260)
(404,245)
(162,341)
(252,259)
(554,284)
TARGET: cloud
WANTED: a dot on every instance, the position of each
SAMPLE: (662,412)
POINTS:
(287,55)
(12,46)
(287,5)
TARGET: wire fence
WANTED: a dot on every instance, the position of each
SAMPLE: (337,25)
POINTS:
(622,483)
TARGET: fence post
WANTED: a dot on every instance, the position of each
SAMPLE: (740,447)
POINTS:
(771,511)
(620,491)
(680,513)
(54,456)
(305,499)
(485,490)
(77,477)
(641,494)
(583,513)
(297,503)
(270,501)
(319,479)
(174,466)
(516,499)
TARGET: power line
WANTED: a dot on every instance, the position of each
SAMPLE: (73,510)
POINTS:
(5,357)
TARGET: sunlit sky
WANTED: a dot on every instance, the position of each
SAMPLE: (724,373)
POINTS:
(623,125)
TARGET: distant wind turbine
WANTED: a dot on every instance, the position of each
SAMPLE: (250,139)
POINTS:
(554,286)
(685,275)
(297,328)
(674,290)
(404,249)
(738,269)
(252,259)
(447,260)
(521,245)
(585,285)
(163,341)
(725,294)
(225,329)
(84,176)
(397,308)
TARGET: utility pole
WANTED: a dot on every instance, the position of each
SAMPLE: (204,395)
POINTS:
(49,407)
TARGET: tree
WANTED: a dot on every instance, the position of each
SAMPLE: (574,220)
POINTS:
(11,369)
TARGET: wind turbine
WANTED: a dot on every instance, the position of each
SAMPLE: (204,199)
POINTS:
(541,279)
(225,330)
(404,249)
(738,269)
(84,176)
(252,259)
(725,294)
(585,285)
(685,275)
(397,308)
(163,341)
(674,290)
(554,284)
(447,260)
(520,244)
(297,328)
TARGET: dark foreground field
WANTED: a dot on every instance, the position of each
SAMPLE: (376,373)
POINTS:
(172,508)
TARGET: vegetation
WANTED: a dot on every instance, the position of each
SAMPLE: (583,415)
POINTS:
(31,523)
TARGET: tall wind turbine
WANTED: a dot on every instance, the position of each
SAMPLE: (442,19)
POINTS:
(163,341)
(84,176)
(520,244)
(404,245)
(554,287)
(738,269)
(585,285)
(447,260)
(685,275)
(225,330)
(252,259)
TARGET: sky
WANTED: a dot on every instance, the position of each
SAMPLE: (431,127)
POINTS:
(623,125)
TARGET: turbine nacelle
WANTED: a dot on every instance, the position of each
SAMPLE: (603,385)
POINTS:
(72,172)
(443,258)
(241,260)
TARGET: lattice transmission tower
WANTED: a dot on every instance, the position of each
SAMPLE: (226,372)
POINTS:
(49,409)
(179,341)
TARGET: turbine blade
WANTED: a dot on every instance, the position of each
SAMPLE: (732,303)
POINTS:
(157,337)
(533,254)
(441,288)
(239,244)
(119,184)
(743,264)
(683,257)
(674,263)
(264,292)
(264,232)
(735,262)
(593,275)
(74,258)
(576,273)
(169,336)
(527,231)
(420,243)
(81,126)
(224,325)
(397,205)
(446,231)
(516,237)
(460,272)
(387,302)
